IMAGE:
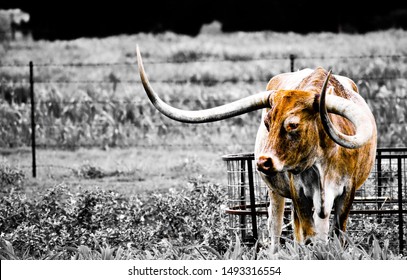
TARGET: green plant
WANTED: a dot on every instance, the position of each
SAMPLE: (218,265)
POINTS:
(102,253)
(334,249)
(89,171)
(10,176)
(59,221)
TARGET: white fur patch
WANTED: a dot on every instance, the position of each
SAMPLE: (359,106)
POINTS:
(331,190)
(277,163)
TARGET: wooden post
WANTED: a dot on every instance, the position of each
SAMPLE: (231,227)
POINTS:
(34,165)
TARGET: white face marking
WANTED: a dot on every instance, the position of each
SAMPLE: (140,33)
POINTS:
(277,163)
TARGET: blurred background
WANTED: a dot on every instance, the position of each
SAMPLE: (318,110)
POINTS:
(73,19)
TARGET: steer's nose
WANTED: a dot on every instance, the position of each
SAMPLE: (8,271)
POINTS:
(264,164)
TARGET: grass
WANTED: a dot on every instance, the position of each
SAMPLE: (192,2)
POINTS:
(332,250)
(129,171)
(178,224)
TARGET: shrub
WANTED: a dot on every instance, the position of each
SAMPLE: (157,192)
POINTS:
(60,222)
(176,224)
(10,177)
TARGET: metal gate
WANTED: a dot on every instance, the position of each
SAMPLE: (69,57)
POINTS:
(380,206)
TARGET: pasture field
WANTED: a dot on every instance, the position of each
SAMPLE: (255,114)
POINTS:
(128,170)
(102,144)
(88,91)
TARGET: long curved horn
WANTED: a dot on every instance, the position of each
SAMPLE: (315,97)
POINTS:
(239,107)
(349,110)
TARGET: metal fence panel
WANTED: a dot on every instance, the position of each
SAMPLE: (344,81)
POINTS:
(379,208)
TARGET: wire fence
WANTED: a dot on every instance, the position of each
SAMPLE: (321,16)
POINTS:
(114,113)
(292,59)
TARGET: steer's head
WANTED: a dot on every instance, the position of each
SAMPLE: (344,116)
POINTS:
(293,126)
(296,121)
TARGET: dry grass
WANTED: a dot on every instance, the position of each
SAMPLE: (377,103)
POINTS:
(128,171)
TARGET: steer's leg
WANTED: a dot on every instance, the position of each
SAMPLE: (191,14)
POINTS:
(303,224)
(275,219)
(298,235)
(343,204)
(302,215)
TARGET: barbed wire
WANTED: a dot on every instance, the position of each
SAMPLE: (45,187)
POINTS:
(70,146)
(158,145)
(155,124)
(48,166)
(192,80)
(184,101)
(166,124)
(212,60)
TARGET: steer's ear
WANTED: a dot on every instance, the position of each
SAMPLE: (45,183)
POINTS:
(315,104)
(271,98)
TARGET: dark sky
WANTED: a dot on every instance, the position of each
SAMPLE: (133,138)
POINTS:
(72,19)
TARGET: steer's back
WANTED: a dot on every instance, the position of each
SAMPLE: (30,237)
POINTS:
(310,80)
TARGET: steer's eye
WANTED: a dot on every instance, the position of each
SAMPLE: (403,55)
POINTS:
(293,126)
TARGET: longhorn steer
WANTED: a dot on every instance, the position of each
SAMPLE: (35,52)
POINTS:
(316,145)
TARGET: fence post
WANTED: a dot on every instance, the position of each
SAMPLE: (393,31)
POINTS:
(379,181)
(252,201)
(400,204)
(292,59)
(34,165)
(242,198)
